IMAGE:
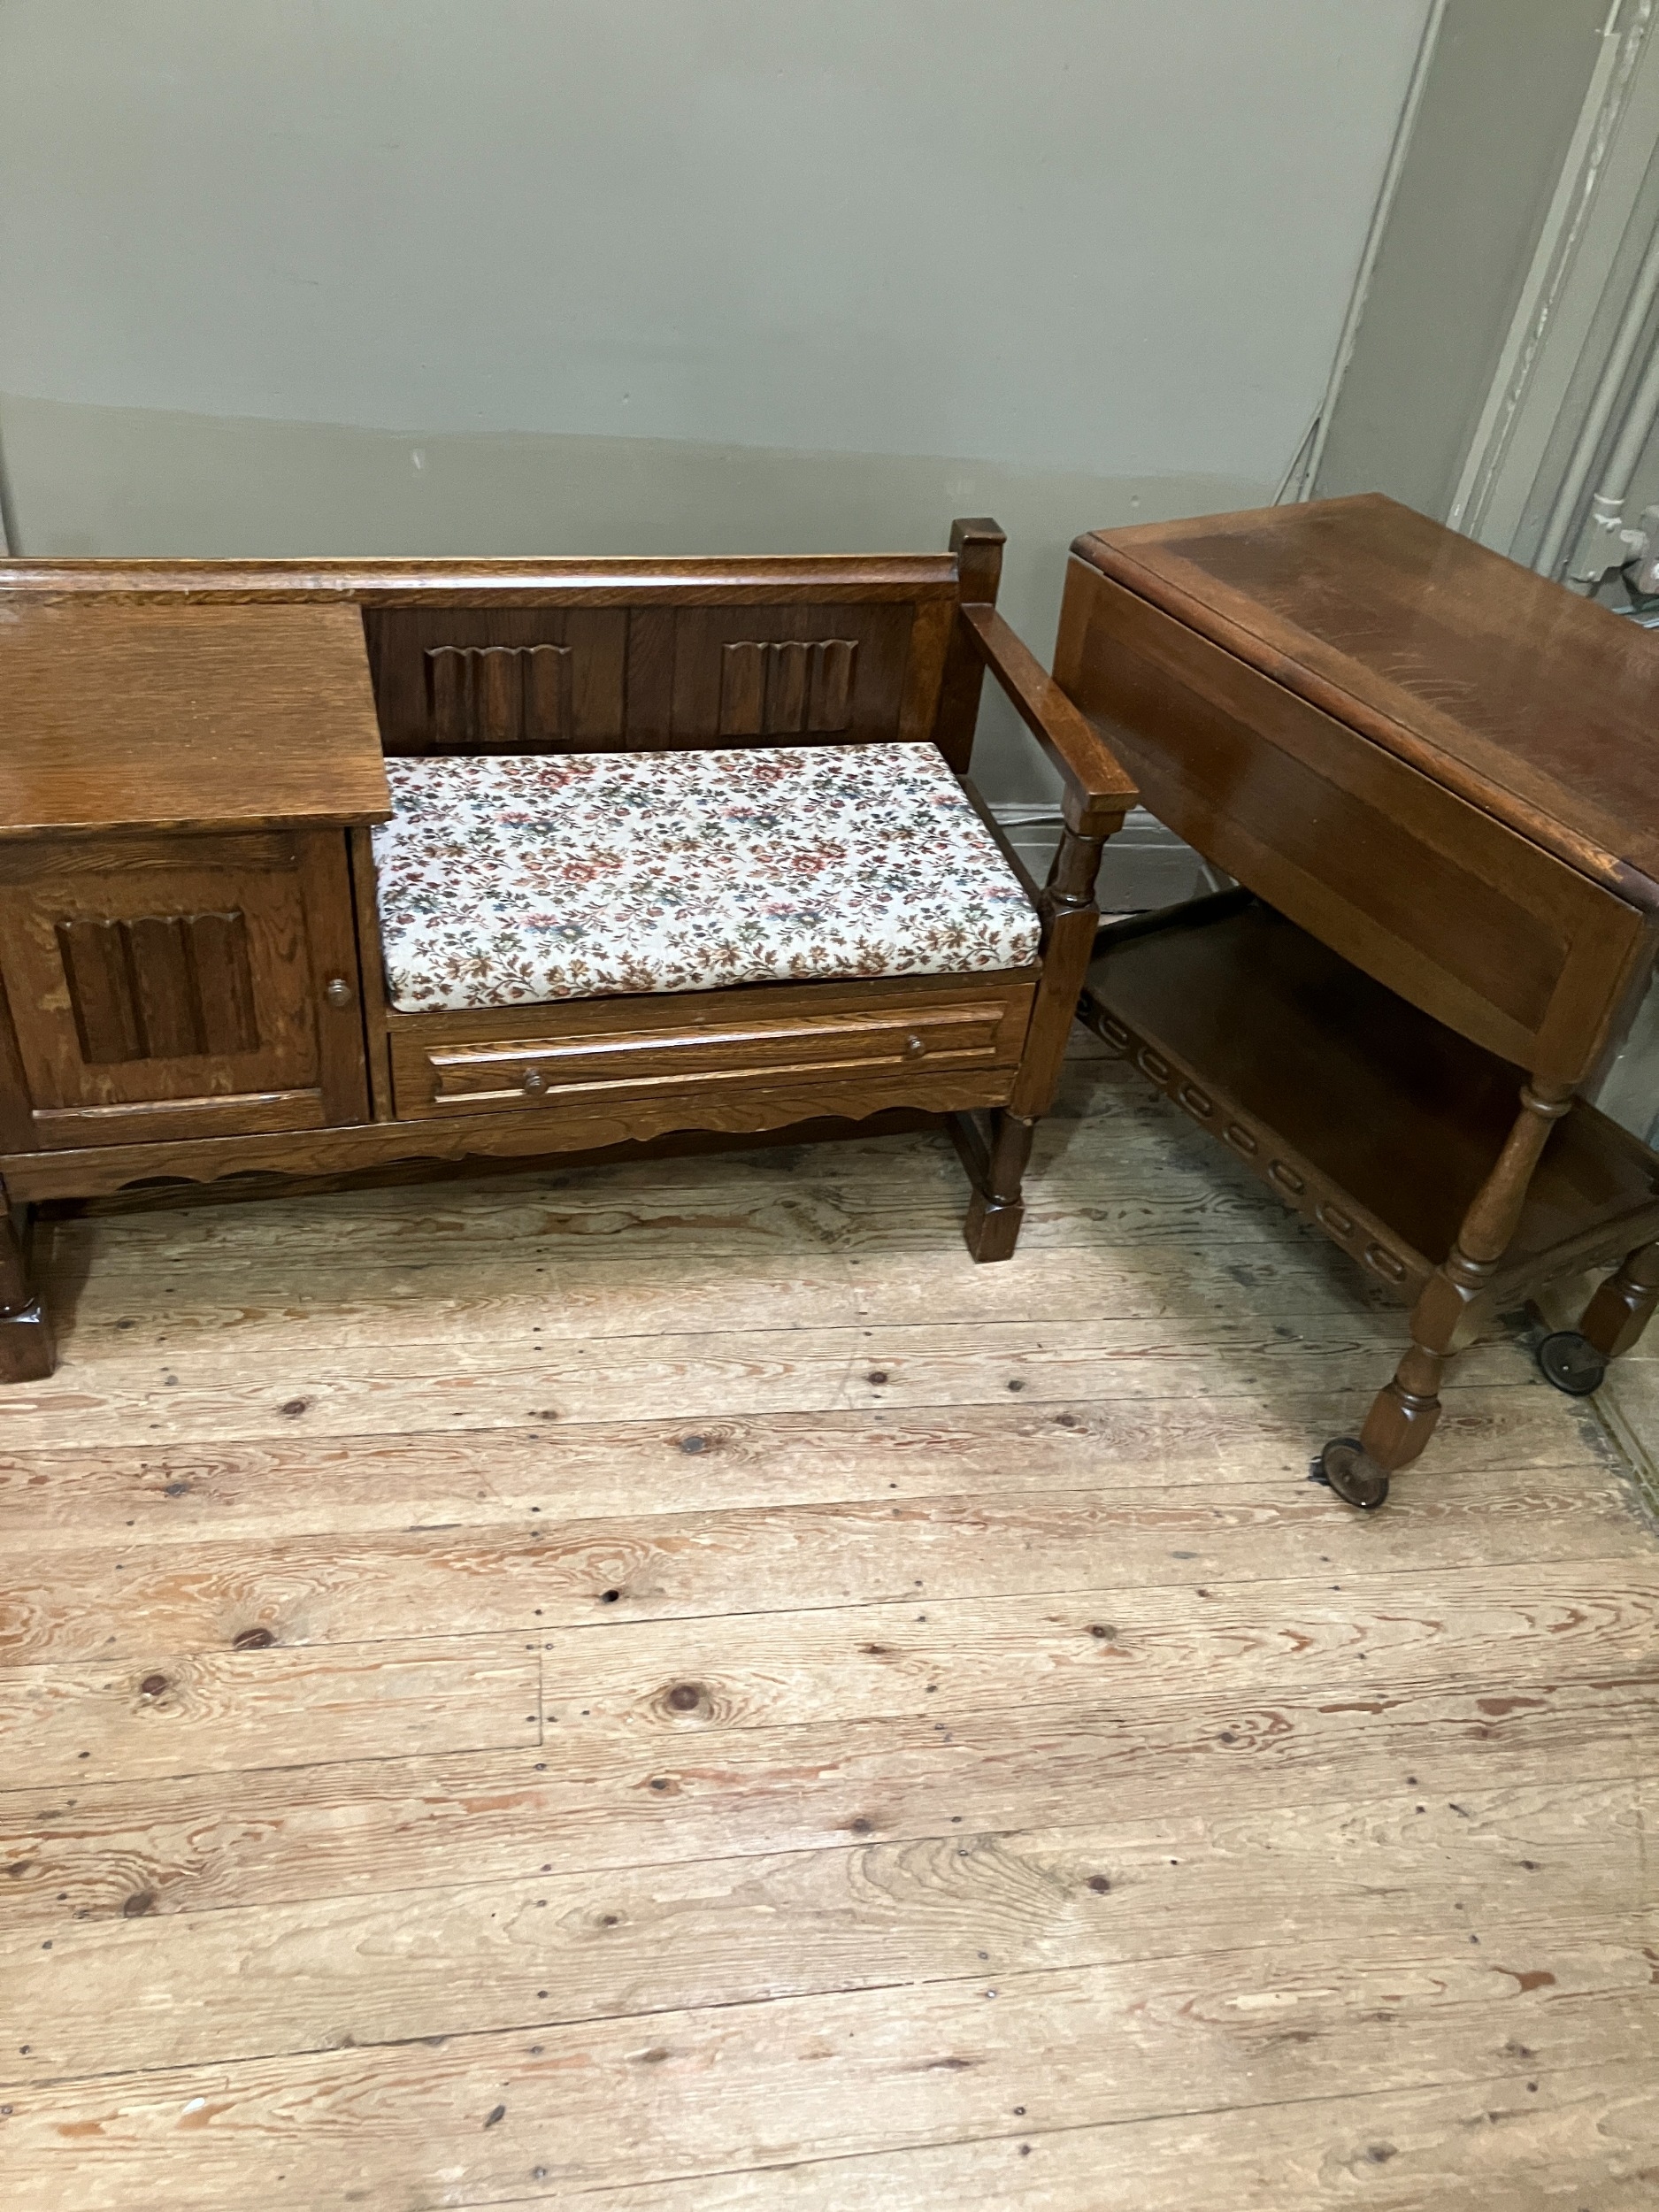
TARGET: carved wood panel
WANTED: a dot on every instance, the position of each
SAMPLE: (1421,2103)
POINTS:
(771,675)
(786,687)
(494,698)
(529,679)
(160,987)
(498,679)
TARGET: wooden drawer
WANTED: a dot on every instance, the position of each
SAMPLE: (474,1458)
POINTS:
(603,1049)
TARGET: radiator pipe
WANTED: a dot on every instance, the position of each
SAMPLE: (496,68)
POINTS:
(1593,429)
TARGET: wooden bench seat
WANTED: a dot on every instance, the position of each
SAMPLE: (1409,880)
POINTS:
(196,811)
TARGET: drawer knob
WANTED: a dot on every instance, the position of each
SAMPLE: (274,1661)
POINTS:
(337,991)
(534,1080)
(915,1046)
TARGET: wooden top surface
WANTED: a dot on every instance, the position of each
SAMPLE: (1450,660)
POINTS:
(719,579)
(1534,703)
(161,718)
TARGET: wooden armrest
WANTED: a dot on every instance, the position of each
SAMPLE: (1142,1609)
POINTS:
(1098,790)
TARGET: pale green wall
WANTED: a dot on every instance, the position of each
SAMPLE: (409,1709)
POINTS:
(1504,88)
(673,275)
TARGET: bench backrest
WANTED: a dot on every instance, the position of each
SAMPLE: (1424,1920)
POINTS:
(637,655)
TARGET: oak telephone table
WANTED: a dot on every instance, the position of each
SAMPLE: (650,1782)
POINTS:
(1435,778)
(309,868)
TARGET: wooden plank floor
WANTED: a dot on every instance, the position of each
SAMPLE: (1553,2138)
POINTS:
(667,1689)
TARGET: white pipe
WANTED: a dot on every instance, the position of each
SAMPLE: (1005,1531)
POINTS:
(1603,544)
(1599,414)
(1644,411)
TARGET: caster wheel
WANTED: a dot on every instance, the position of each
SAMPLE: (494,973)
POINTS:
(1353,1473)
(1571,1363)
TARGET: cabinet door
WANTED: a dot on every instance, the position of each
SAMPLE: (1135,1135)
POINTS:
(172,987)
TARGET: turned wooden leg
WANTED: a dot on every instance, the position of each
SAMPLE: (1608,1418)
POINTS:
(1446,1316)
(996,1210)
(25,1336)
(1576,1360)
(1621,1307)
(1069,920)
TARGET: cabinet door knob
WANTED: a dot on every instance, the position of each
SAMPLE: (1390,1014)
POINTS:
(338,992)
(915,1046)
(534,1080)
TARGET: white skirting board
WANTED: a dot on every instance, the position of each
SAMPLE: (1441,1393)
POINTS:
(1145,865)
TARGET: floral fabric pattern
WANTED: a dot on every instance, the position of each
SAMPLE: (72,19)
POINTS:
(510,882)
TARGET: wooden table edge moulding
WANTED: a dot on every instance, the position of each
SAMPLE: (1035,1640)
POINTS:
(1434,778)
(193,759)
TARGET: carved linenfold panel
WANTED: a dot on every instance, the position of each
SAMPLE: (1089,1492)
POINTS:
(786,688)
(485,698)
(160,987)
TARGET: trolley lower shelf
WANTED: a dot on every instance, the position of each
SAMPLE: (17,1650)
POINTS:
(1369,1117)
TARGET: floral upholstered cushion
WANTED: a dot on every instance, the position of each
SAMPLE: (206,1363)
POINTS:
(503,882)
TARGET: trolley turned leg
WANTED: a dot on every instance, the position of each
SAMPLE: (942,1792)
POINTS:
(1576,1360)
(1621,1310)
(1446,1316)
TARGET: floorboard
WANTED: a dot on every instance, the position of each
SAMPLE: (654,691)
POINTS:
(1587,2137)
(269,1486)
(667,1689)
(650,2096)
(593,1944)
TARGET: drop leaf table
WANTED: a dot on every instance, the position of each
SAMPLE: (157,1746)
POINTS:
(1435,776)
